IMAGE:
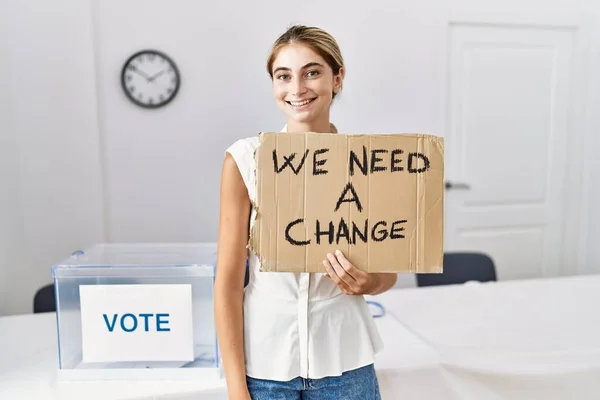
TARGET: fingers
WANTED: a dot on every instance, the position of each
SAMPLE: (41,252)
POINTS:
(347,265)
(344,274)
(331,274)
(339,270)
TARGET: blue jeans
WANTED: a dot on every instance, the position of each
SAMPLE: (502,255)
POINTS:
(358,384)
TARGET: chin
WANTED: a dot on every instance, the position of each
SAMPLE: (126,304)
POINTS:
(304,119)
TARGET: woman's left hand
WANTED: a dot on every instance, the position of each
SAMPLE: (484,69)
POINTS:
(347,277)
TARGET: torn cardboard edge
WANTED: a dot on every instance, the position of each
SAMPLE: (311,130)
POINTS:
(420,254)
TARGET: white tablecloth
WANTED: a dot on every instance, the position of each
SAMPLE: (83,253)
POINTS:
(508,340)
(536,339)
(28,362)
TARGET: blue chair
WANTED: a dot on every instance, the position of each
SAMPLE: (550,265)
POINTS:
(461,267)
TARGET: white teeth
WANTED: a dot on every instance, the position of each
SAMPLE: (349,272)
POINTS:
(300,103)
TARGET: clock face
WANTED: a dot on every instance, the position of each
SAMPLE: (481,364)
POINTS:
(150,79)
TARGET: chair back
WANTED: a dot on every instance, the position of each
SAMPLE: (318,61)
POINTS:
(44,300)
(461,267)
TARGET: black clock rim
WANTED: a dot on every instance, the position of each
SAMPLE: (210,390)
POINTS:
(158,53)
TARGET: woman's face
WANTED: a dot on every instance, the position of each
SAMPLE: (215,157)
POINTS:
(303,84)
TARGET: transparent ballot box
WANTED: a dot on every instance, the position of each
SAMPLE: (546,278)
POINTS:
(137,311)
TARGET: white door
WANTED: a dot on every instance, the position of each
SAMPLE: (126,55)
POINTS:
(507,144)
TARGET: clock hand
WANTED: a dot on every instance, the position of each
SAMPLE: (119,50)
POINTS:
(141,73)
(153,77)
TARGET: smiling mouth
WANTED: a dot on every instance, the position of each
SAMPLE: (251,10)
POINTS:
(300,103)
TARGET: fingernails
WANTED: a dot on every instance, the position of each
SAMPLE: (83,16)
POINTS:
(338,252)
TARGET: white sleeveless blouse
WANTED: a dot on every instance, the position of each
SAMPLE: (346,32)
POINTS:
(299,324)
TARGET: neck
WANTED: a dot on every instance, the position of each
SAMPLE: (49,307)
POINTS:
(322,126)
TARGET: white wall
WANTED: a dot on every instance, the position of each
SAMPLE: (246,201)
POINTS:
(166,163)
(163,166)
(9,176)
(83,164)
(51,176)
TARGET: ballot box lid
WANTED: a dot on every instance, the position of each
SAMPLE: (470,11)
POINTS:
(139,259)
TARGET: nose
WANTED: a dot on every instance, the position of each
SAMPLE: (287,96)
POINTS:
(299,87)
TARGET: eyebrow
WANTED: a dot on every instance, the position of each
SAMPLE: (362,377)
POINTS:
(310,64)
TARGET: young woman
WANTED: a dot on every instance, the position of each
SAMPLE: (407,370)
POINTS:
(292,335)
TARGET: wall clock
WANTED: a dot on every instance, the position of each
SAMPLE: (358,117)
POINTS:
(150,79)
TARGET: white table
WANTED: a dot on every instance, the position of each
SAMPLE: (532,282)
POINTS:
(28,361)
(508,340)
(536,339)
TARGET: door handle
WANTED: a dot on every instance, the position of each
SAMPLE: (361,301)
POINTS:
(458,185)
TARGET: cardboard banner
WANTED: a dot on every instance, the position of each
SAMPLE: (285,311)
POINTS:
(378,198)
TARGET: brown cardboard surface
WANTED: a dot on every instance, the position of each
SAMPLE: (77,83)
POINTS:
(379,198)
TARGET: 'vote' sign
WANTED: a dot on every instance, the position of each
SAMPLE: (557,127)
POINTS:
(129,322)
(123,323)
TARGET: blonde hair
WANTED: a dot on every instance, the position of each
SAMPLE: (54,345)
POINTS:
(315,38)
